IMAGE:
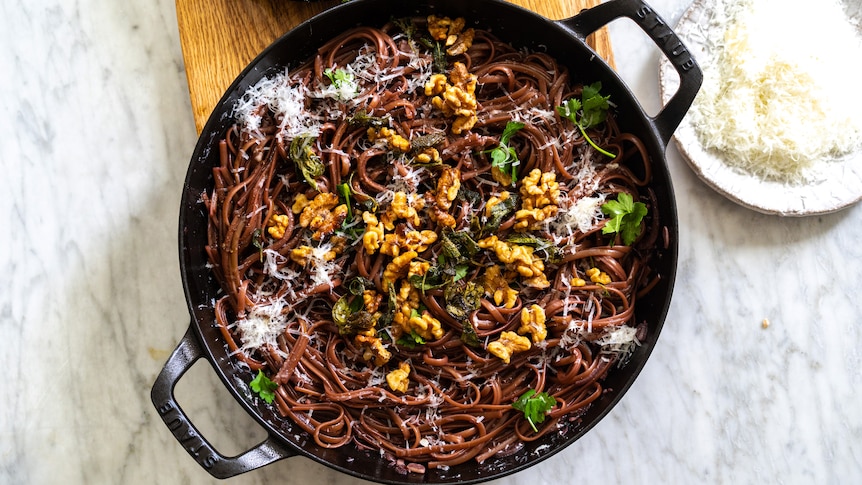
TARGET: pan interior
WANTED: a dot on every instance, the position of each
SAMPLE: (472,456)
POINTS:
(520,28)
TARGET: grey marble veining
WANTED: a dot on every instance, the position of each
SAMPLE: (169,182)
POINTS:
(97,134)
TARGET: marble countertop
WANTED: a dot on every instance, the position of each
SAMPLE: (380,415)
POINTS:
(98,133)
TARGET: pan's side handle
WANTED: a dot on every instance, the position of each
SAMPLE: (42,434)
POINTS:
(188,351)
(691,77)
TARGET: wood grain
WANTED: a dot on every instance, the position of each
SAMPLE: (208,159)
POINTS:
(220,37)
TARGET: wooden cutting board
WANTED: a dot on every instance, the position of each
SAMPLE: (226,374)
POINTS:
(220,37)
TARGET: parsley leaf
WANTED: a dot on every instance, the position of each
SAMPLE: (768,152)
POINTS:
(343,81)
(504,159)
(264,387)
(589,111)
(534,406)
(626,216)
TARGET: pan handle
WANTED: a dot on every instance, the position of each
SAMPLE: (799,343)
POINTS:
(691,77)
(188,351)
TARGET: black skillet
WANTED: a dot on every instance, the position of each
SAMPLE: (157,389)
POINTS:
(565,40)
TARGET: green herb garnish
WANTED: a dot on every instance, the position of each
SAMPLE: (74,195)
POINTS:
(499,213)
(257,241)
(344,191)
(545,248)
(468,334)
(343,81)
(462,299)
(264,387)
(410,340)
(534,406)
(504,159)
(362,118)
(626,217)
(387,315)
(408,27)
(462,243)
(305,159)
(429,140)
(589,111)
(438,54)
(349,317)
(357,285)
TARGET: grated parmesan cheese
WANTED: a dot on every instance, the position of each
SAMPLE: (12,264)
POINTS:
(262,325)
(320,269)
(581,215)
(775,101)
(620,341)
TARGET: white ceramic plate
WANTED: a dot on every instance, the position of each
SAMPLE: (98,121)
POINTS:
(837,183)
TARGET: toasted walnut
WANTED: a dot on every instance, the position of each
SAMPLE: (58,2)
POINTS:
(373,235)
(497,287)
(390,245)
(461,77)
(539,189)
(520,258)
(539,281)
(371,300)
(394,140)
(338,244)
(441,200)
(448,186)
(299,203)
(438,215)
(418,268)
(435,85)
(302,254)
(533,323)
(372,349)
(397,268)
(457,99)
(464,123)
(540,195)
(407,318)
(277,225)
(508,344)
(429,155)
(419,241)
(529,219)
(441,28)
(598,276)
(406,302)
(323,215)
(452,32)
(395,243)
(459,44)
(402,207)
(398,379)
(424,325)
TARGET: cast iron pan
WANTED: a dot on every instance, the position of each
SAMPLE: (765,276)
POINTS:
(562,39)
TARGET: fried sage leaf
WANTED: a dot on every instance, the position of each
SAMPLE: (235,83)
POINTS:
(305,159)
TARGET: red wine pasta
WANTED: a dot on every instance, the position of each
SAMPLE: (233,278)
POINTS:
(410,238)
